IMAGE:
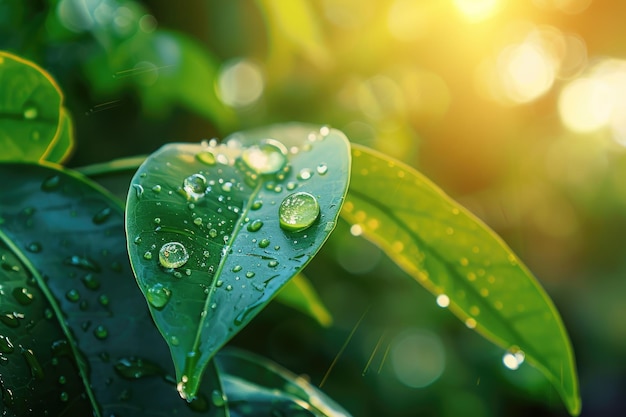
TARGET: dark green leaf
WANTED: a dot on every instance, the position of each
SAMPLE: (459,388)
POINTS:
(62,146)
(458,258)
(38,374)
(73,234)
(205,239)
(30,106)
(256,386)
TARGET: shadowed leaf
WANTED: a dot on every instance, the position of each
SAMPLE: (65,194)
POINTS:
(221,228)
(458,258)
(72,233)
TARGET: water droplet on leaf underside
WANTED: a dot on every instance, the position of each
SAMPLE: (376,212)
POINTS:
(173,255)
(298,211)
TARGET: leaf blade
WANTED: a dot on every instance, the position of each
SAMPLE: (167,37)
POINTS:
(458,258)
(238,255)
(29,109)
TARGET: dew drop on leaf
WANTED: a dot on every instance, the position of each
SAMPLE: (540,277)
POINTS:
(264,243)
(173,255)
(322,169)
(305,174)
(256,205)
(72,295)
(195,187)
(102,216)
(267,158)
(101,332)
(273,263)
(298,211)
(237,268)
(34,247)
(255,225)
(206,157)
(6,346)
(513,358)
(443,300)
(218,398)
(30,113)
(158,295)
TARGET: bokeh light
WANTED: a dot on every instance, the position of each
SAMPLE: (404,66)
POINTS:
(240,83)
(418,357)
(477,10)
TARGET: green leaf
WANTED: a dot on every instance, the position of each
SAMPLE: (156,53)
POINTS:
(458,258)
(71,233)
(261,387)
(30,106)
(62,145)
(205,239)
(300,294)
(37,376)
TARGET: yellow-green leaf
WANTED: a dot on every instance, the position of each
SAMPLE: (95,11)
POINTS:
(460,260)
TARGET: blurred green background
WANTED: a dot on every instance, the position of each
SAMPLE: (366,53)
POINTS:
(516,108)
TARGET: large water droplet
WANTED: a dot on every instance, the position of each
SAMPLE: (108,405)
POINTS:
(173,255)
(158,295)
(195,187)
(298,211)
(267,158)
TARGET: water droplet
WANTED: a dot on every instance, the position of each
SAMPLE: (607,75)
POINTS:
(474,310)
(195,187)
(23,296)
(470,323)
(30,113)
(156,188)
(206,157)
(174,341)
(9,320)
(267,158)
(197,221)
(35,367)
(51,183)
(34,247)
(103,299)
(298,211)
(158,295)
(513,358)
(62,380)
(256,205)
(102,216)
(264,243)
(6,346)
(484,292)
(134,368)
(250,274)
(100,332)
(173,255)
(255,225)
(213,233)
(443,300)
(72,295)
(218,398)
(219,283)
(291,185)
(273,263)
(322,169)
(138,190)
(147,256)
(237,268)
(229,287)
(305,174)
(325,130)
(464,261)
(227,187)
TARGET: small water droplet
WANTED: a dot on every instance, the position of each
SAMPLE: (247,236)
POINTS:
(90,282)
(219,283)
(227,187)
(305,174)
(158,295)
(35,367)
(102,216)
(443,300)
(62,380)
(100,332)
(23,296)
(72,295)
(237,268)
(174,341)
(264,243)
(273,263)
(298,211)
(134,368)
(6,346)
(268,157)
(291,185)
(197,221)
(218,398)
(173,255)
(156,188)
(325,130)
(82,263)
(30,112)
(34,247)
(64,396)
(51,183)
(322,169)
(195,187)
(255,225)
(250,274)
(213,233)
(229,287)
(147,255)
(206,157)
(470,323)
(138,190)
(256,205)
(464,261)
(513,358)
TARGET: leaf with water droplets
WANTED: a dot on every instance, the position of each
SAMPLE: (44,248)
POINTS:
(70,234)
(458,258)
(29,110)
(225,216)
(252,382)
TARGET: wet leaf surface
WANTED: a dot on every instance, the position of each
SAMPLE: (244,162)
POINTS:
(256,386)
(460,260)
(72,233)
(30,108)
(216,230)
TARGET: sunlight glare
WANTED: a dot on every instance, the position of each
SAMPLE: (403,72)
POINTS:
(477,10)
(585,105)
